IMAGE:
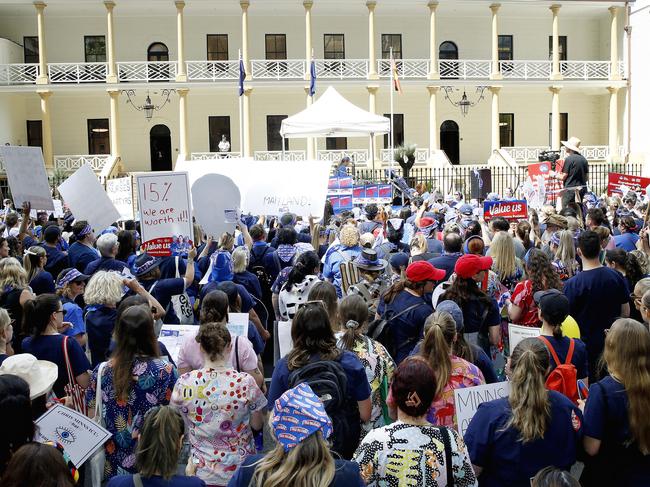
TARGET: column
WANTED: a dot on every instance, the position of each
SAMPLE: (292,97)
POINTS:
(372,52)
(247,123)
(181,75)
(433,44)
(311,146)
(244,36)
(495,72)
(556,73)
(47,127)
(555,117)
(42,63)
(183,149)
(308,5)
(613,122)
(114,131)
(111,75)
(434,133)
(613,42)
(372,108)
(496,140)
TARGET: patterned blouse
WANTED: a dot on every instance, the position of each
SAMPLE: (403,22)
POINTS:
(379,367)
(154,380)
(410,455)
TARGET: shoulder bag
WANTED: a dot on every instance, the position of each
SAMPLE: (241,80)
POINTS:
(95,473)
(72,389)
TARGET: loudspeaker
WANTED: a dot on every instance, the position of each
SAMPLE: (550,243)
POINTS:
(481,183)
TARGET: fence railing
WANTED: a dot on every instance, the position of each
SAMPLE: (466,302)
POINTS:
(525,69)
(278,69)
(592,153)
(341,68)
(212,70)
(70,163)
(77,72)
(357,156)
(421,156)
(289,155)
(18,74)
(146,71)
(202,156)
(406,68)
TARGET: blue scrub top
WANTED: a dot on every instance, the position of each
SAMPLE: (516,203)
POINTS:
(100,322)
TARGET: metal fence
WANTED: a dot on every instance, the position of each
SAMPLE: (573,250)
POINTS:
(461,178)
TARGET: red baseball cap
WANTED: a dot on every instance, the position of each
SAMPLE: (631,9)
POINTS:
(426,221)
(423,271)
(469,265)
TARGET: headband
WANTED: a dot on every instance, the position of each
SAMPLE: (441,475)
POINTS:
(87,230)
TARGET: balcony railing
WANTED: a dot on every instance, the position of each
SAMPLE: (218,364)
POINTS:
(525,69)
(531,153)
(77,72)
(464,69)
(212,70)
(289,155)
(406,68)
(18,74)
(357,156)
(146,71)
(202,156)
(421,156)
(70,163)
(341,68)
(278,69)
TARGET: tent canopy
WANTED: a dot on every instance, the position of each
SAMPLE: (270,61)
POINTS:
(333,116)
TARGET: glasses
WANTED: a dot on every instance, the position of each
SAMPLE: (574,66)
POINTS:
(60,311)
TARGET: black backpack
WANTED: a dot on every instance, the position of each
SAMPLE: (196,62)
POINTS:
(256,266)
(381,330)
(329,382)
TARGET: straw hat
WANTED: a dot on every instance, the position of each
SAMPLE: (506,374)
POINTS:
(573,143)
(39,374)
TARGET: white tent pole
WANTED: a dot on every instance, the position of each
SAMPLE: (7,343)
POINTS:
(372,149)
(391,89)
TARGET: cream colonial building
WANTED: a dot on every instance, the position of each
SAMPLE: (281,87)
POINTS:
(72,74)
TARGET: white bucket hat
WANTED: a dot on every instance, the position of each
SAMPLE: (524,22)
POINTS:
(573,143)
(39,374)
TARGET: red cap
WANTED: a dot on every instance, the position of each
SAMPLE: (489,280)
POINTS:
(426,221)
(470,264)
(423,271)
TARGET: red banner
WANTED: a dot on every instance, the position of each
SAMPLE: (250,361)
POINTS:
(615,180)
(552,186)
(510,210)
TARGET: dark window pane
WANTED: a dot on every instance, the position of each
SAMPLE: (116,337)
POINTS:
(563,48)
(95,49)
(394,41)
(30,46)
(157,52)
(35,133)
(564,127)
(273,138)
(506,129)
(505,48)
(398,130)
(334,46)
(276,46)
(98,136)
(448,50)
(336,143)
(217,47)
(218,127)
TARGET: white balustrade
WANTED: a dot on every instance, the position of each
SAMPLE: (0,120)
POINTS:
(464,69)
(212,70)
(531,154)
(278,69)
(289,155)
(77,72)
(70,163)
(18,74)
(622,69)
(357,156)
(421,156)
(341,68)
(525,154)
(585,69)
(146,71)
(202,156)
(525,69)
(406,68)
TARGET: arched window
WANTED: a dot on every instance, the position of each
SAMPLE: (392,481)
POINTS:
(157,52)
(448,50)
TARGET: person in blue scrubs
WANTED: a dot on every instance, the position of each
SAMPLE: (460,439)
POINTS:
(34,263)
(70,285)
(510,439)
(82,252)
(57,260)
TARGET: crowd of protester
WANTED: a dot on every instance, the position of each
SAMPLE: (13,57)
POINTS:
(391,310)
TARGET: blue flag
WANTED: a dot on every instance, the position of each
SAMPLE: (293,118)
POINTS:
(312,83)
(242,76)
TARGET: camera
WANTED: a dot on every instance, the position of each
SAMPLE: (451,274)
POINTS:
(551,156)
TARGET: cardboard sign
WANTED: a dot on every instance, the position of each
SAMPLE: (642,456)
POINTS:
(87,199)
(120,192)
(540,172)
(468,400)
(337,182)
(164,202)
(238,324)
(58,212)
(511,210)
(216,211)
(173,336)
(616,180)
(284,337)
(27,177)
(79,435)
(517,333)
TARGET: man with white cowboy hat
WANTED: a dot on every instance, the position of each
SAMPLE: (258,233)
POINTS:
(575,172)
(370,268)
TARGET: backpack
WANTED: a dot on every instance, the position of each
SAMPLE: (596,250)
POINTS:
(328,380)
(380,330)
(256,266)
(564,378)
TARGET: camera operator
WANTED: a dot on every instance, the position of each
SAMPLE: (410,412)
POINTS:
(575,172)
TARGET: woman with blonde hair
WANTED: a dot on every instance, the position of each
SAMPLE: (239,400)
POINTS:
(240,260)
(617,425)
(419,248)
(14,293)
(511,439)
(564,261)
(506,265)
(39,279)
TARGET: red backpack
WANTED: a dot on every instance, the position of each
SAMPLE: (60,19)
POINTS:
(564,378)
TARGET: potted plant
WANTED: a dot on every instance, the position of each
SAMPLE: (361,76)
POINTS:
(404,155)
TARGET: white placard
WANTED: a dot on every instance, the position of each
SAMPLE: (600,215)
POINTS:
(270,187)
(79,435)
(215,198)
(27,177)
(120,192)
(284,337)
(173,336)
(87,199)
(58,212)
(467,401)
(517,333)
(238,324)
(164,202)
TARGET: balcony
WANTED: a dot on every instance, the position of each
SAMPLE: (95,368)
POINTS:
(18,74)
(203,156)
(77,72)
(278,69)
(146,71)
(212,70)
(341,68)
(530,154)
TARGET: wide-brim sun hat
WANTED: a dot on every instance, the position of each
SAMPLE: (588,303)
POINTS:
(39,374)
(369,261)
(145,263)
(573,143)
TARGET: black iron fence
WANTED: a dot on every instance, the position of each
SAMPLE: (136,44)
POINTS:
(461,178)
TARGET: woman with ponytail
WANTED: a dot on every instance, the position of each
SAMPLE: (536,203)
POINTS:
(379,366)
(39,279)
(617,424)
(302,277)
(511,439)
(133,381)
(522,231)
(159,448)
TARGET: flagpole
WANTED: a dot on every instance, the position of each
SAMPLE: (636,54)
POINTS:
(241,121)
(392,88)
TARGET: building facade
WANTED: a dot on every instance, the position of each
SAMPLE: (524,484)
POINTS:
(75,77)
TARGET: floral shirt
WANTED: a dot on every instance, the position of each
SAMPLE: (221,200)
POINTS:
(379,367)
(154,380)
(404,454)
(217,407)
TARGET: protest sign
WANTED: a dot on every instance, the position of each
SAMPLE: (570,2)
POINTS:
(616,182)
(27,177)
(173,336)
(238,324)
(468,400)
(539,176)
(120,192)
(87,199)
(285,342)
(213,197)
(79,435)
(517,333)
(270,187)
(511,210)
(58,210)
(164,202)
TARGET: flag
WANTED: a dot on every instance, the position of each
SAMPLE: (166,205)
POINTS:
(312,82)
(242,76)
(395,76)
